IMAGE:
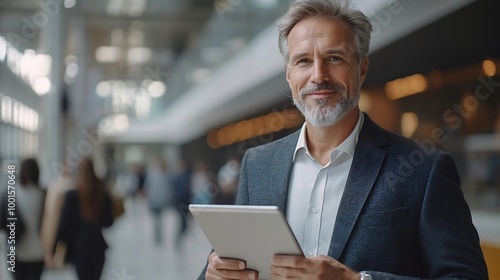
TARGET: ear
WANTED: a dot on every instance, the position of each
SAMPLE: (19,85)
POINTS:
(363,69)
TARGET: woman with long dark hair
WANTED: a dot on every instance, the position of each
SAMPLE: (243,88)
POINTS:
(28,210)
(85,212)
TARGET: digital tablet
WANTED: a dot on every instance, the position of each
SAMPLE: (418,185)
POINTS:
(250,233)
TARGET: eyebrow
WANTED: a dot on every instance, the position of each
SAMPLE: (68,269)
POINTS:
(336,51)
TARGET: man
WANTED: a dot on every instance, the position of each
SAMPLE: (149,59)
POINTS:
(363,203)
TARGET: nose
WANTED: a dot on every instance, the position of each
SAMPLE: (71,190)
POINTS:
(320,73)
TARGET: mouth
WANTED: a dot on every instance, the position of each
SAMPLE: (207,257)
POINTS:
(321,94)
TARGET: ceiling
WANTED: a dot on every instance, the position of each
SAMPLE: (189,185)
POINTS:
(219,59)
(254,78)
(185,40)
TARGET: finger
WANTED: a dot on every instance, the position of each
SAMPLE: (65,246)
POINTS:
(223,263)
(287,272)
(289,261)
(215,274)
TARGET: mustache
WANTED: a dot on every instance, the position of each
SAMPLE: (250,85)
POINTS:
(323,86)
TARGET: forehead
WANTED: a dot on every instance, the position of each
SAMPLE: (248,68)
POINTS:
(321,32)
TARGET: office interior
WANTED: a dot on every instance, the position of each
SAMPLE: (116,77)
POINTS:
(133,81)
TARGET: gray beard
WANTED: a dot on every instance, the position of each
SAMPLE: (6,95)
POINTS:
(323,115)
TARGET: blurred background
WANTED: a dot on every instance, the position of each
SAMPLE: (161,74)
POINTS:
(182,88)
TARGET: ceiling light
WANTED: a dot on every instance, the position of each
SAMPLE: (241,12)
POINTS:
(115,7)
(108,54)
(3,48)
(114,124)
(157,89)
(43,65)
(68,4)
(139,55)
(42,85)
(72,70)
(103,89)
(6,109)
(136,8)
(120,122)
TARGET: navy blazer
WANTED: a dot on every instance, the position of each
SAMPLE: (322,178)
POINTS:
(402,214)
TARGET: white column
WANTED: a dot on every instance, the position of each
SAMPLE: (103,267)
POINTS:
(52,43)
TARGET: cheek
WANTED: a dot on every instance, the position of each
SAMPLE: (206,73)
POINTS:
(297,85)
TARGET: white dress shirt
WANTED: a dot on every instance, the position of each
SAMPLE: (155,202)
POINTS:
(315,192)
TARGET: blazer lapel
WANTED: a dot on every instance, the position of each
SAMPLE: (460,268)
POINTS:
(368,158)
(282,163)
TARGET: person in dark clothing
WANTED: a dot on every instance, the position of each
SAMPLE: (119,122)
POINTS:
(181,182)
(85,212)
(28,210)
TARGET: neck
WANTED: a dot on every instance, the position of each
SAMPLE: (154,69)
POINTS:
(322,140)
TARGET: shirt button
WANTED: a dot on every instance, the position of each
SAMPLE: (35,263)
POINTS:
(315,210)
(309,254)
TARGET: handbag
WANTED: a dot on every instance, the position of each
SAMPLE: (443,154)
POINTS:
(118,207)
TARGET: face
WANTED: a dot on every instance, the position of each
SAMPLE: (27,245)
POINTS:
(323,72)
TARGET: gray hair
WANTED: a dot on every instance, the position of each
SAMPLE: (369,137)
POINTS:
(330,9)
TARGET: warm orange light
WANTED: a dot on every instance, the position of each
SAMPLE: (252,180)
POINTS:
(247,129)
(403,87)
(489,68)
(365,102)
(409,124)
(212,140)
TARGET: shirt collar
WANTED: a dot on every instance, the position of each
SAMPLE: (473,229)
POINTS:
(347,146)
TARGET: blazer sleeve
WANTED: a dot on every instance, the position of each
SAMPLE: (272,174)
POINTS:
(242,192)
(449,241)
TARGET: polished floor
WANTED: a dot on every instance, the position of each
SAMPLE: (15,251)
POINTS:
(133,254)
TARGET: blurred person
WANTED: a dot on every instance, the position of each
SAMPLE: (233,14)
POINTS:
(182,195)
(127,182)
(53,206)
(141,177)
(202,183)
(227,177)
(86,211)
(157,187)
(29,250)
(362,202)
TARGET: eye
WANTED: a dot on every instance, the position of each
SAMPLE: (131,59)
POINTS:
(335,58)
(302,61)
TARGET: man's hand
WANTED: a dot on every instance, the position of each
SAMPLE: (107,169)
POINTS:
(228,269)
(318,268)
